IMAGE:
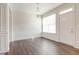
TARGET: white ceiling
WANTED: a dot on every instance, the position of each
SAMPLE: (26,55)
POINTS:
(31,7)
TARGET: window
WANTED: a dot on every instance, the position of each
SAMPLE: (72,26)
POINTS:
(65,11)
(49,24)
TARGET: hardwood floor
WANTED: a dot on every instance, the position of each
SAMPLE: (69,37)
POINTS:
(40,46)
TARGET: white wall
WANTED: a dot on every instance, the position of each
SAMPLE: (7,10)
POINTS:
(25,25)
(50,36)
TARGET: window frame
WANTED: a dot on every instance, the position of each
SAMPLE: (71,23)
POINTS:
(48,25)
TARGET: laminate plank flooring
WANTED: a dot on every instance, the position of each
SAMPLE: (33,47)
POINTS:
(40,46)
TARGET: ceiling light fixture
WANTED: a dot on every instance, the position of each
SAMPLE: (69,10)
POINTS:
(37,10)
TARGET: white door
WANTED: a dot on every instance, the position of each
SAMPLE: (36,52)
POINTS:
(67,26)
(77,25)
(0,29)
(3,29)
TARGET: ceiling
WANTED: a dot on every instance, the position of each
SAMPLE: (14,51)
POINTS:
(31,7)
